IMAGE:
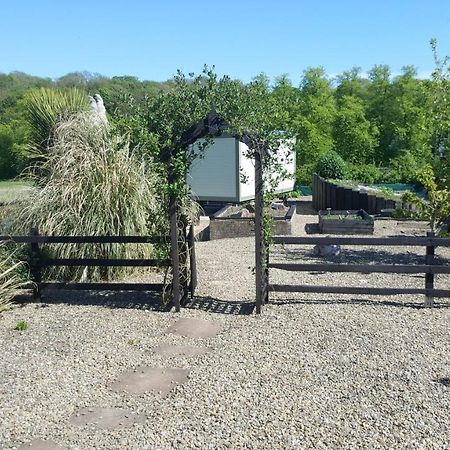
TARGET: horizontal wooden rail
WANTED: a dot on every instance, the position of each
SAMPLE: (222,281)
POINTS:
(106,262)
(86,239)
(409,241)
(356,290)
(359,268)
(158,287)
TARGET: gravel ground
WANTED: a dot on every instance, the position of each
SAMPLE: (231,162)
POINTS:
(312,372)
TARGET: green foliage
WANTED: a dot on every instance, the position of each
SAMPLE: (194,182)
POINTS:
(304,173)
(364,173)
(355,139)
(13,137)
(436,208)
(21,325)
(331,166)
(46,108)
(96,186)
(315,117)
(404,168)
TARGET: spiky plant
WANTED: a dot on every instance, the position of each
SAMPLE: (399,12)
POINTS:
(45,108)
(11,276)
(96,186)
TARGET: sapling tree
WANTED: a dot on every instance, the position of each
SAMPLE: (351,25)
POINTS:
(436,208)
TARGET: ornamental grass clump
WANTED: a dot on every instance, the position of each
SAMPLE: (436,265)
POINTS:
(12,276)
(96,186)
(45,108)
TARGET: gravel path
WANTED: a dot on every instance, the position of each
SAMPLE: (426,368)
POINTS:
(312,372)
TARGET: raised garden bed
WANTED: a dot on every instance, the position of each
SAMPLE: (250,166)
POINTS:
(239,221)
(345,222)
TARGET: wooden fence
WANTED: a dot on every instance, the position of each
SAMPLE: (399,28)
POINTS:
(430,268)
(180,289)
(326,194)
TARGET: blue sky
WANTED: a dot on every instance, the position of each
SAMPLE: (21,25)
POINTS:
(151,40)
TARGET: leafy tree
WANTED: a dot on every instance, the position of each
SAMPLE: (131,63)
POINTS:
(355,138)
(317,110)
(350,83)
(436,208)
(13,138)
(411,110)
(380,111)
(288,101)
(440,91)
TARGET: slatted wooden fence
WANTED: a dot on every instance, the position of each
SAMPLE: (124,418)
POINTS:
(38,262)
(430,268)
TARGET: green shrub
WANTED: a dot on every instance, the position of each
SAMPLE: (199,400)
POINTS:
(404,167)
(331,165)
(12,149)
(96,186)
(364,173)
(304,174)
(436,208)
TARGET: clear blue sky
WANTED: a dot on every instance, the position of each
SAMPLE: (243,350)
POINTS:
(151,39)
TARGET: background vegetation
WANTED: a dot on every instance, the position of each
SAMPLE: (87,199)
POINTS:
(383,126)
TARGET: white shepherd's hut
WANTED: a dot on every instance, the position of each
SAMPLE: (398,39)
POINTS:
(224,172)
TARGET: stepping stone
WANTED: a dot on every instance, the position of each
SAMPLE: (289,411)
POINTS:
(180,350)
(196,328)
(150,379)
(40,444)
(108,418)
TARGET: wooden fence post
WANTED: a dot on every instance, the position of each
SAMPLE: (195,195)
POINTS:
(35,265)
(429,277)
(314,191)
(193,261)
(259,238)
(173,206)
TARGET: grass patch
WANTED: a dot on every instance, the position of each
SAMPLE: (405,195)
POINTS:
(21,325)
(12,191)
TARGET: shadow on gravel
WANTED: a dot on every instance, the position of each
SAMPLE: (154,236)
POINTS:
(352,256)
(358,301)
(108,299)
(213,305)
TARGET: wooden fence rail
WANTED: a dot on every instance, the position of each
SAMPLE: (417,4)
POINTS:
(38,261)
(430,268)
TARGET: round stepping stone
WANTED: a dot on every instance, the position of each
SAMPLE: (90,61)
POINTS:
(150,379)
(180,350)
(196,328)
(40,444)
(108,418)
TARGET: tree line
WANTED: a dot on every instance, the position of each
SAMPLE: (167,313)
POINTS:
(383,126)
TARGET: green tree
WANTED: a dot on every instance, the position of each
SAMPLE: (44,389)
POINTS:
(355,138)
(13,139)
(411,105)
(380,111)
(351,83)
(317,111)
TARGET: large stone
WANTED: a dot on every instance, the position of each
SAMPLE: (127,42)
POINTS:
(196,328)
(150,379)
(180,350)
(108,418)
(40,444)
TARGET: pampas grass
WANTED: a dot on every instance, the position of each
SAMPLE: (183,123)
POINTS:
(11,277)
(96,186)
